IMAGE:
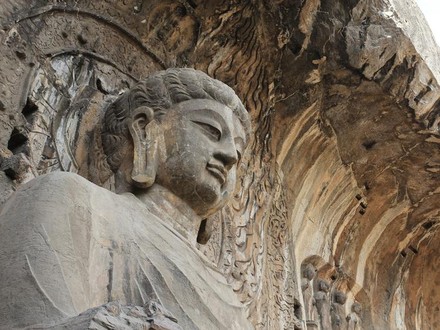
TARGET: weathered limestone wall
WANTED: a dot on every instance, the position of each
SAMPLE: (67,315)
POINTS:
(368,131)
(343,168)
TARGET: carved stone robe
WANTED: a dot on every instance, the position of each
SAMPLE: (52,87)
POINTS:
(338,316)
(67,245)
(353,321)
(323,307)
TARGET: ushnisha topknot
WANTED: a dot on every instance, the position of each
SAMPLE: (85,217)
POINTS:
(159,92)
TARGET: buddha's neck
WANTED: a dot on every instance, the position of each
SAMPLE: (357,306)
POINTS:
(177,213)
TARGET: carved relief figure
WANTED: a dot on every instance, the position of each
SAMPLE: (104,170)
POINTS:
(308,273)
(322,303)
(338,310)
(172,144)
(354,318)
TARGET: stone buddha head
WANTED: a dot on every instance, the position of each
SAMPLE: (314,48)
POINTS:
(356,308)
(308,272)
(323,286)
(339,297)
(179,129)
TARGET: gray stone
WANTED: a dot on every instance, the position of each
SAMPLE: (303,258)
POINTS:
(68,246)
(322,303)
(338,310)
(354,321)
(342,169)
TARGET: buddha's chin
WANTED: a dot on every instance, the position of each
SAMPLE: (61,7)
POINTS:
(209,199)
(211,210)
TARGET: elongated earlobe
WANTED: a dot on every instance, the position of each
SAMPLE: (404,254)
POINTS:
(205,231)
(144,131)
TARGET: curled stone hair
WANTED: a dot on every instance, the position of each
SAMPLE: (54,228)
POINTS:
(159,92)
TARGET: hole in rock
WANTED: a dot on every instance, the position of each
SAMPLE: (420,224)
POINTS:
(17,141)
(297,309)
(413,249)
(181,11)
(192,4)
(11,174)
(20,55)
(427,225)
(29,109)
(294,47)
(403,253)
(369,144)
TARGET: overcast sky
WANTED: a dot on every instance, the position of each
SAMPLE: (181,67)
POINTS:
(431,10)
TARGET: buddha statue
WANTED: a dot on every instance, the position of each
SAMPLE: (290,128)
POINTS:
(322,303)
(171,144)
(338,310)
(354,321)
(308,272)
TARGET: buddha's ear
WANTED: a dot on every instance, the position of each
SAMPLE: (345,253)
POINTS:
(143,130)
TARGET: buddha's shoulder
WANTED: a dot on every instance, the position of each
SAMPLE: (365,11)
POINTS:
(62,182)
(59,195)
(59,179)
(61,188)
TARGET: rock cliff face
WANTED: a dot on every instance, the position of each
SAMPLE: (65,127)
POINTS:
(341,181)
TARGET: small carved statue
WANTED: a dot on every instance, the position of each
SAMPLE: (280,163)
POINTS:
(171,145)
(308,273)
(354,318)
(338,310)
(322,303)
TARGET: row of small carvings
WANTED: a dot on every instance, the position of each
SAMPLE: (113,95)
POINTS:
(325,306)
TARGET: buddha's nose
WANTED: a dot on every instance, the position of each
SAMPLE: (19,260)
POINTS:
(227,154)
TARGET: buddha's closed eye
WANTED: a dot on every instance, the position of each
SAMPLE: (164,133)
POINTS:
(212,132)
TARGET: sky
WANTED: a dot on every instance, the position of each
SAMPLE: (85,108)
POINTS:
(431,10)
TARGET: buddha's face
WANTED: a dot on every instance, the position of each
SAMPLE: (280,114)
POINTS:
(309,272)
(323,286)
(357,308)
(340,297)
(204,141)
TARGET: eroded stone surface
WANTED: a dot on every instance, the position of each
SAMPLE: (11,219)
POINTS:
(169,147)
(343,169)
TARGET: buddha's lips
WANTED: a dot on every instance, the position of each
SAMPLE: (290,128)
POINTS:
(218,171)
